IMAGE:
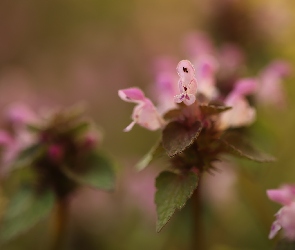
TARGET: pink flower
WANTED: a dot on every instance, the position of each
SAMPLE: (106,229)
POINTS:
(199,44)
(187,83)
(165,87)
(285,217)
(145,113)
(241,113)
(19,115)
(231,59)
(270,91)
(206,68)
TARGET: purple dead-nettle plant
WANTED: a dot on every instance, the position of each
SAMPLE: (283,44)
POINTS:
(204,126)
(63,155)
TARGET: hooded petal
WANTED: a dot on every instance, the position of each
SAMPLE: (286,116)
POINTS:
(186,71)
(131,95)
(271,91)
(147,116)
(241,114)
(206,67)
(284,195)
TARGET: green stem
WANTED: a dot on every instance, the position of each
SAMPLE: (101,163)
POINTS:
(60,217)
(198,232)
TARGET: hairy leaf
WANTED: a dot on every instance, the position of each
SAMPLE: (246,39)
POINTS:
(173,190)
(155,152)
(99,172)
(171,114)
(212,109)
(24,210)
(237,145)
(177,137)
(28,155)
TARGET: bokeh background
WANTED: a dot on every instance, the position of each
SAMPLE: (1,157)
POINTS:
(58,53)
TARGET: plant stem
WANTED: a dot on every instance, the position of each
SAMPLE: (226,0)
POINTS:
(198,232)
(60,217)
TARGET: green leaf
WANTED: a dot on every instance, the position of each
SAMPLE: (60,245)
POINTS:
(24,210)
(28,155)
(237,145)
(99,172)
(212,109)
(155,152)
(173,190)
(177,137)
(79,128)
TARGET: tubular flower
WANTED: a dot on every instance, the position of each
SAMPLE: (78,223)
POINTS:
(285,217)
(206,67)
(270,91)
(165,88)
(145,113)
(195,134)
(187,83)
(241,114)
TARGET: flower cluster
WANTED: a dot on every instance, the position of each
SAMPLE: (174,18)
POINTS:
(200,123)
(62,155)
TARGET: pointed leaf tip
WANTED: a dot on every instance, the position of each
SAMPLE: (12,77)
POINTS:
(24,210)
(239,146)
(173,191)
(99,172)
(155,152)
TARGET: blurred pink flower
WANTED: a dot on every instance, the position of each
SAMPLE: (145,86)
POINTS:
(199,44)
(223,180)
(16,117)
(165,88)
(145,113)
(135,184)
(19,115)
(241,113)
(285,217)
(187,83)
(206,68)
(270,91)
(231,59)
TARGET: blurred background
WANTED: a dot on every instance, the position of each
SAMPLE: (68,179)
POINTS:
(58,53)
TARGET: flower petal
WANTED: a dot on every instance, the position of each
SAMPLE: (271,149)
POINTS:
(147,116)
(192,87)
(284,195)
(179,98)
(275,227)
(241,114)
(131,95)
(189,99)
(185,70)
(246,86)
